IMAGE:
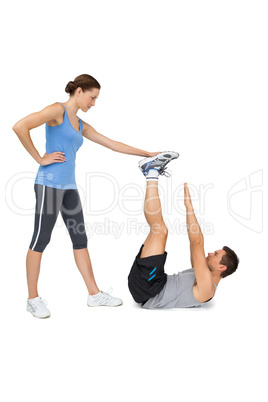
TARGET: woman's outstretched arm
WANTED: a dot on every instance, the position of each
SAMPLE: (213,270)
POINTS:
(91,134)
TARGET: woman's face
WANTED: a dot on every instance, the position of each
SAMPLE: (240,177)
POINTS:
(86,99)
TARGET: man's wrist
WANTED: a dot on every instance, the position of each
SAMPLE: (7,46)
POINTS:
(189,209)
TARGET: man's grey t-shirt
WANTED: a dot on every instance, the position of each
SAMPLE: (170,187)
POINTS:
(177,292)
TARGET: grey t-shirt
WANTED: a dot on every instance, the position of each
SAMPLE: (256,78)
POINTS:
(177,292)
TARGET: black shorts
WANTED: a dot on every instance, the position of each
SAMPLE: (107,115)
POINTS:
(147,276)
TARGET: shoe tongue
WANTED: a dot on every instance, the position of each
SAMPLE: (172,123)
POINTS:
(35,298)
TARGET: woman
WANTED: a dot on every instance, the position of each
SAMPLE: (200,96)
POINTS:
(55,186)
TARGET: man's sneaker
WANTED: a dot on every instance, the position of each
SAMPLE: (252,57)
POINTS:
(37,307)
(157,162)
(103,299)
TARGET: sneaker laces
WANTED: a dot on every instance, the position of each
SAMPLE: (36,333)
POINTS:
(163,169)
(105,296)
(163,172)
(38,303)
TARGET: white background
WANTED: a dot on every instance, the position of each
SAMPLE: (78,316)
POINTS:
(188,76)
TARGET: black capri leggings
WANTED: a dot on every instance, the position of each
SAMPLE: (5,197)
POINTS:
(49,201)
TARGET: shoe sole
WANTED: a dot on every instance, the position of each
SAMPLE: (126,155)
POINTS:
(104,305)
(154,157)
(36,316)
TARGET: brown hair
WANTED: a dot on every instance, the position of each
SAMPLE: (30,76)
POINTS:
(83,81)
(231,261)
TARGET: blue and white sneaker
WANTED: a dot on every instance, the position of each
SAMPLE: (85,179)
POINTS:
(158,163)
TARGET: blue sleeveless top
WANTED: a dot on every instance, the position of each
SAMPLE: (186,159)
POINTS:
(61,138)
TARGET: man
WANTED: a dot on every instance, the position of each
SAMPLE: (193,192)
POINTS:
(147,280)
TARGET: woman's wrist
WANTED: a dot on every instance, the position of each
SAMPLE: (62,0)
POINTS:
(148,154)
(39,159)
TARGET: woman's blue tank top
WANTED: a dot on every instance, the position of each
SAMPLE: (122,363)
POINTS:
(61,138)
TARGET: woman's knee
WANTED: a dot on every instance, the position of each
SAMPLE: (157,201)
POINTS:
(79,241)
(39,245)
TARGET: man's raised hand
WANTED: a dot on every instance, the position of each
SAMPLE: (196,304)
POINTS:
(187,198)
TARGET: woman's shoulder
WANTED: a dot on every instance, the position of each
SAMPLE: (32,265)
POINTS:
(56,107)
(55,111)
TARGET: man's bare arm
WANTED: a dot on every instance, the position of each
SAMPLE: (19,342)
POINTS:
(189,210)
(191,256)
(202,274)
(194,231)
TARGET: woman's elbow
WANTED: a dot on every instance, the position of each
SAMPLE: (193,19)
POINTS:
(18,128)
(115,146)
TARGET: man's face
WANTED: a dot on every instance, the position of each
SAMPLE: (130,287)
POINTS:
(213,260)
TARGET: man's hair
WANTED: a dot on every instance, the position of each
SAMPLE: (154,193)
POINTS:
(231,261)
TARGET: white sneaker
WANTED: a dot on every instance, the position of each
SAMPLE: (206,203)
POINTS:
(103,299)
(37,307)
(157,162)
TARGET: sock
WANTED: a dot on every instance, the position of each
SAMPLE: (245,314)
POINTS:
(33,298)
(152,175)
(97,294)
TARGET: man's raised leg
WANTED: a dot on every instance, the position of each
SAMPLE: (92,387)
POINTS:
(147,276)
(156,240)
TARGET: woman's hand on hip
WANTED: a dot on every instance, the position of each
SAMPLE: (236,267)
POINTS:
(54,157)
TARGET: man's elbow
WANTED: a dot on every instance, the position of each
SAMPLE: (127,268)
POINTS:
(198,241)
